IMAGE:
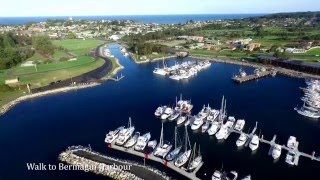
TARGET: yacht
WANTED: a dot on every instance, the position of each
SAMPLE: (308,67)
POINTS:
(242,140)
(142,142)
(174,116)
(124,135)
(213,128)
(230,122)
(173,154)
(163,147)
(160,71)
(205,127)
(183,105)
(240,124)
(290,158)
(292,141)
(152,144)
(132,141)
(276,151)
(213,115)
(195,161)
(197,122)
(216,175)
(175,77)
(222,133)
(159,111)
(112,135)
(181,120)
(254,143)
(167,113)
(308,113)
(187,123)
(183,158)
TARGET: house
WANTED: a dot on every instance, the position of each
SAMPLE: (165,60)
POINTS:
(12,81)
(295,50)
(253,46)
(115,37)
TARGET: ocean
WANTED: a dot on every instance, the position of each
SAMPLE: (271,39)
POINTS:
(161,19)
(38,130)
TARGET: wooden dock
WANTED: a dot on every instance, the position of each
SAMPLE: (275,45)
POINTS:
(169,164)
(252,76)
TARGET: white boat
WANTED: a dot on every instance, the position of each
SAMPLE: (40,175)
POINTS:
(254,143)
(124,135)
(187,123)
(216,175)
(197,123)
(152,144)
(222,133)
(213,128)
(174,116)
(142,142)
(181,120)
(230,122)
(112,135)
(160,71)
(247,178)
(167,113)
(242,140)
(132,141)
(240,124)
(159,111)
(162,148)
(276,151)
(233,175)
(308,113)
(175,77)
(183,105)
(291,143)
(290,158)
(183,158)
(195,161)
(177,148)
(205,127)
(213,115)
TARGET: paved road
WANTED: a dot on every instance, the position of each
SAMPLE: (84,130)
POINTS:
(94,75)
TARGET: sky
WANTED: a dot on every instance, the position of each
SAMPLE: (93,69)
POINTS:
(20,8)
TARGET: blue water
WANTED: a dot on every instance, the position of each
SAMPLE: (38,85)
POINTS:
(39,129)
(161,19)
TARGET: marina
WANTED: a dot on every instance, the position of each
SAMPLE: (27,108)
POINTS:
(258,73)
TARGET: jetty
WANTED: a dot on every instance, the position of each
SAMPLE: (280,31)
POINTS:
(240,79)
(118,78)
(182,171)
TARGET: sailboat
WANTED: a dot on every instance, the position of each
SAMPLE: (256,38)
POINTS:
(195,161)
(161,71)
(163,148)
(173,154)
(222,113)
(184,157)
(125,134)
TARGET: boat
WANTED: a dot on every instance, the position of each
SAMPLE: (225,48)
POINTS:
(163,147)
(125,134)
(205,127)
(112,135)
(213,115)
(184,106)
(213,128)
(216,175)
(233,175)
(142,142)
(197,123)
(161,71)
(241,74)
(159,111)
(307,113)
(167,113)
(181,119)
(184,156)
(132,141)
(230,122)
(290,158)
(254,143)
(276,151)
(173,154)
(195,161)
(152,144)
(187,123)
(222,133)
(174,116)
(242,140)
(239,124)
(248,177)
(291,143)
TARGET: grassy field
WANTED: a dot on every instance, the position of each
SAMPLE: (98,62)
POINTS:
(78,47)
(315,51)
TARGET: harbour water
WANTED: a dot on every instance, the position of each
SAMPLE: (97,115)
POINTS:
(39,129)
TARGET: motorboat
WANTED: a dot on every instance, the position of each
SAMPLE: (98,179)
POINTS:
(181,119)
(132,141)
(240,124)
(290,158)
(184,106)
(308,113)
(222,133)
(159,111)
(213,115)
(276,151)
(205,127)
(254,143)
(174,116)
(142,142)
(291,143)
(242,140)
(230,122)
(124,135)
(216,175)
(152,144)
(167,113)
(112,135)
(160,71)
(213,128)
(197,123)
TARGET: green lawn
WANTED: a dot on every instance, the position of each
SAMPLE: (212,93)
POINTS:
(315,51)
(78,46)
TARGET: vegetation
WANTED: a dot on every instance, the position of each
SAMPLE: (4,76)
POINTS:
(43,45)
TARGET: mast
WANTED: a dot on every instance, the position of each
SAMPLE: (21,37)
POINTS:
(186,139)
(175,137)
(161,136)
(129,123)
(180,97)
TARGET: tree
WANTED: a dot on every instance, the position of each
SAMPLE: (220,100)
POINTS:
(258,30)
(43,45)
(71,35)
